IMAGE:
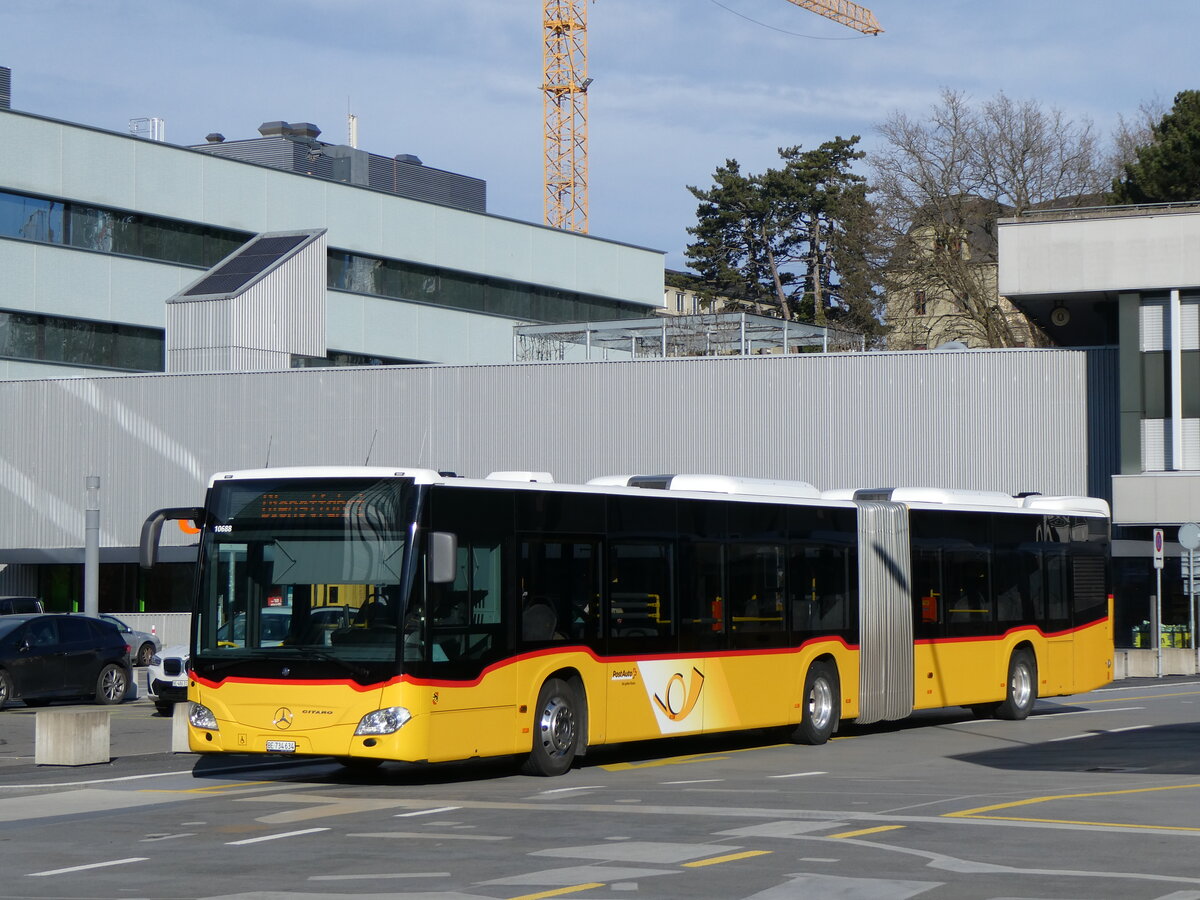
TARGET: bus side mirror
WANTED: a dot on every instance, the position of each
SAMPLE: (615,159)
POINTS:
(443,557)
(152,528)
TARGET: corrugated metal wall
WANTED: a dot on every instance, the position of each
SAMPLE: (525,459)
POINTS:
(994,420)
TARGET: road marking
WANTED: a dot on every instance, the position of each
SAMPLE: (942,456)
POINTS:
(379,875)
(691,758)
(58,784)
(432,835)
(696,781)
(1075,737)
(99,865)
(558,892)
(1081,712)
(427,812)
(1128,728)
(275,837)
(1147,697)
(979,812)
(166,837)
(877,830)
(582,787)
(732,857)
(798,775)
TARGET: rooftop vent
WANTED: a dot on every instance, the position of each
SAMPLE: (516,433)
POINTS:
(408,158)
(267,129)
(303,130)
(214,137)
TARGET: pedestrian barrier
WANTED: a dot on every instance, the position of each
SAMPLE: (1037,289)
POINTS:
(71,737)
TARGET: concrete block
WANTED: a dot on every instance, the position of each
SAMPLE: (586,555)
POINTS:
(179,728)
(71,737)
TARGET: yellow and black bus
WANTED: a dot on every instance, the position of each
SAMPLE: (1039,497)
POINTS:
(374,614)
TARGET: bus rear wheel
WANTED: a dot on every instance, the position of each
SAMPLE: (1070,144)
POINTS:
(1022,687)
(555,730)
(820,705)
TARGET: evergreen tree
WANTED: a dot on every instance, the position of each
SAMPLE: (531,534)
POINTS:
(1167,169)
(797,238)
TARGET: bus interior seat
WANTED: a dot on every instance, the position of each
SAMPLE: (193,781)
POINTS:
(538,622)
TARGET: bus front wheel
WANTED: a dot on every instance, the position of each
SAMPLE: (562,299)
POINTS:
(555,730)
(1022,687)
(820,705)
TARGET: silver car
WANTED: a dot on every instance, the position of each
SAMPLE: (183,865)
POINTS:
(142,645)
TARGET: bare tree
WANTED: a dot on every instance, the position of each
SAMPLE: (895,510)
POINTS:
(940,185)
(1136,131)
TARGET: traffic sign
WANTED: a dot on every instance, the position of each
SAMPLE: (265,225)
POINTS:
(1158,548)
(1189,536)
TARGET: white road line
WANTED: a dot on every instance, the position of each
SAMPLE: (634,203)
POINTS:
(1075,737)
(1078,712)
(696,781)
(582,787)
(427,812)
(1145,687)
(99,865)
(167,837)
(1128,728)
(380,875)
(56,784)
(797,774)
(274,837)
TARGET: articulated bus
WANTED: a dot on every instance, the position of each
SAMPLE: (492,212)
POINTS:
(374,614)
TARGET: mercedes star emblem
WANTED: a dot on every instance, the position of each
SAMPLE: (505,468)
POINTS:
(283,718)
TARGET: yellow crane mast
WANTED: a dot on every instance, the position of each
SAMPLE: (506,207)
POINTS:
(564,100)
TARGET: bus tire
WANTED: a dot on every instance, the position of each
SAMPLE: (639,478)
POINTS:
(556,722)
(821,703)
(1022,687)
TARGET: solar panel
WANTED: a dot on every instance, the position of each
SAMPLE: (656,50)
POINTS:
(250,262)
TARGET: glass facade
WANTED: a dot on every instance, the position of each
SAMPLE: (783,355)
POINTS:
(54,221)
(79,342)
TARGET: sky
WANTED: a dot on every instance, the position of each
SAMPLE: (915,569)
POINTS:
(680,86)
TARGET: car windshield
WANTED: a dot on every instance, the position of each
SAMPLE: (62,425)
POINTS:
(305,568)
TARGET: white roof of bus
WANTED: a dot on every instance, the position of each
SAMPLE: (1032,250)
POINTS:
(698,485)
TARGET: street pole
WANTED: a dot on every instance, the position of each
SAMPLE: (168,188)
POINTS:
(1189,539)
(1158,567)
(91,549)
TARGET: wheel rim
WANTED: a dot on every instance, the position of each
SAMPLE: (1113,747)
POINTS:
(1022,685)
(556,728)
(820,703)
(112,684)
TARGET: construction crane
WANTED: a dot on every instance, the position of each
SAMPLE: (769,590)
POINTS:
(565,84)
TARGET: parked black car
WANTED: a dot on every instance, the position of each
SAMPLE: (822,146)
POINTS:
(10,606)
(58,656)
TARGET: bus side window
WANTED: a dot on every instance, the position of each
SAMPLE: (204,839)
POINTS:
(639,589)
(559,581)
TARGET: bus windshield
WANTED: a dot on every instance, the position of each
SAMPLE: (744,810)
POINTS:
(305,568)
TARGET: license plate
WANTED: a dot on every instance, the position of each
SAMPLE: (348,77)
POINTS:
(179,682)
(281,746)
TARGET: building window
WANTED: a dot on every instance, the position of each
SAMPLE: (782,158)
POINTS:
(79,342)
(104,230)
(679,301)
(919,303)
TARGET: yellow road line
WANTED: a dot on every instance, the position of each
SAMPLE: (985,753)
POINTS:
(1147,697)
(558,892)
(850,834)
(203,790)
(981,811)
(691,758)
(712,861)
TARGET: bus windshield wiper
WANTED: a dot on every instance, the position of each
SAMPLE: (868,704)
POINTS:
(325,655)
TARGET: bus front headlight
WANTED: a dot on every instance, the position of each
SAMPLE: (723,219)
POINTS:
(202,717)
(383,721)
